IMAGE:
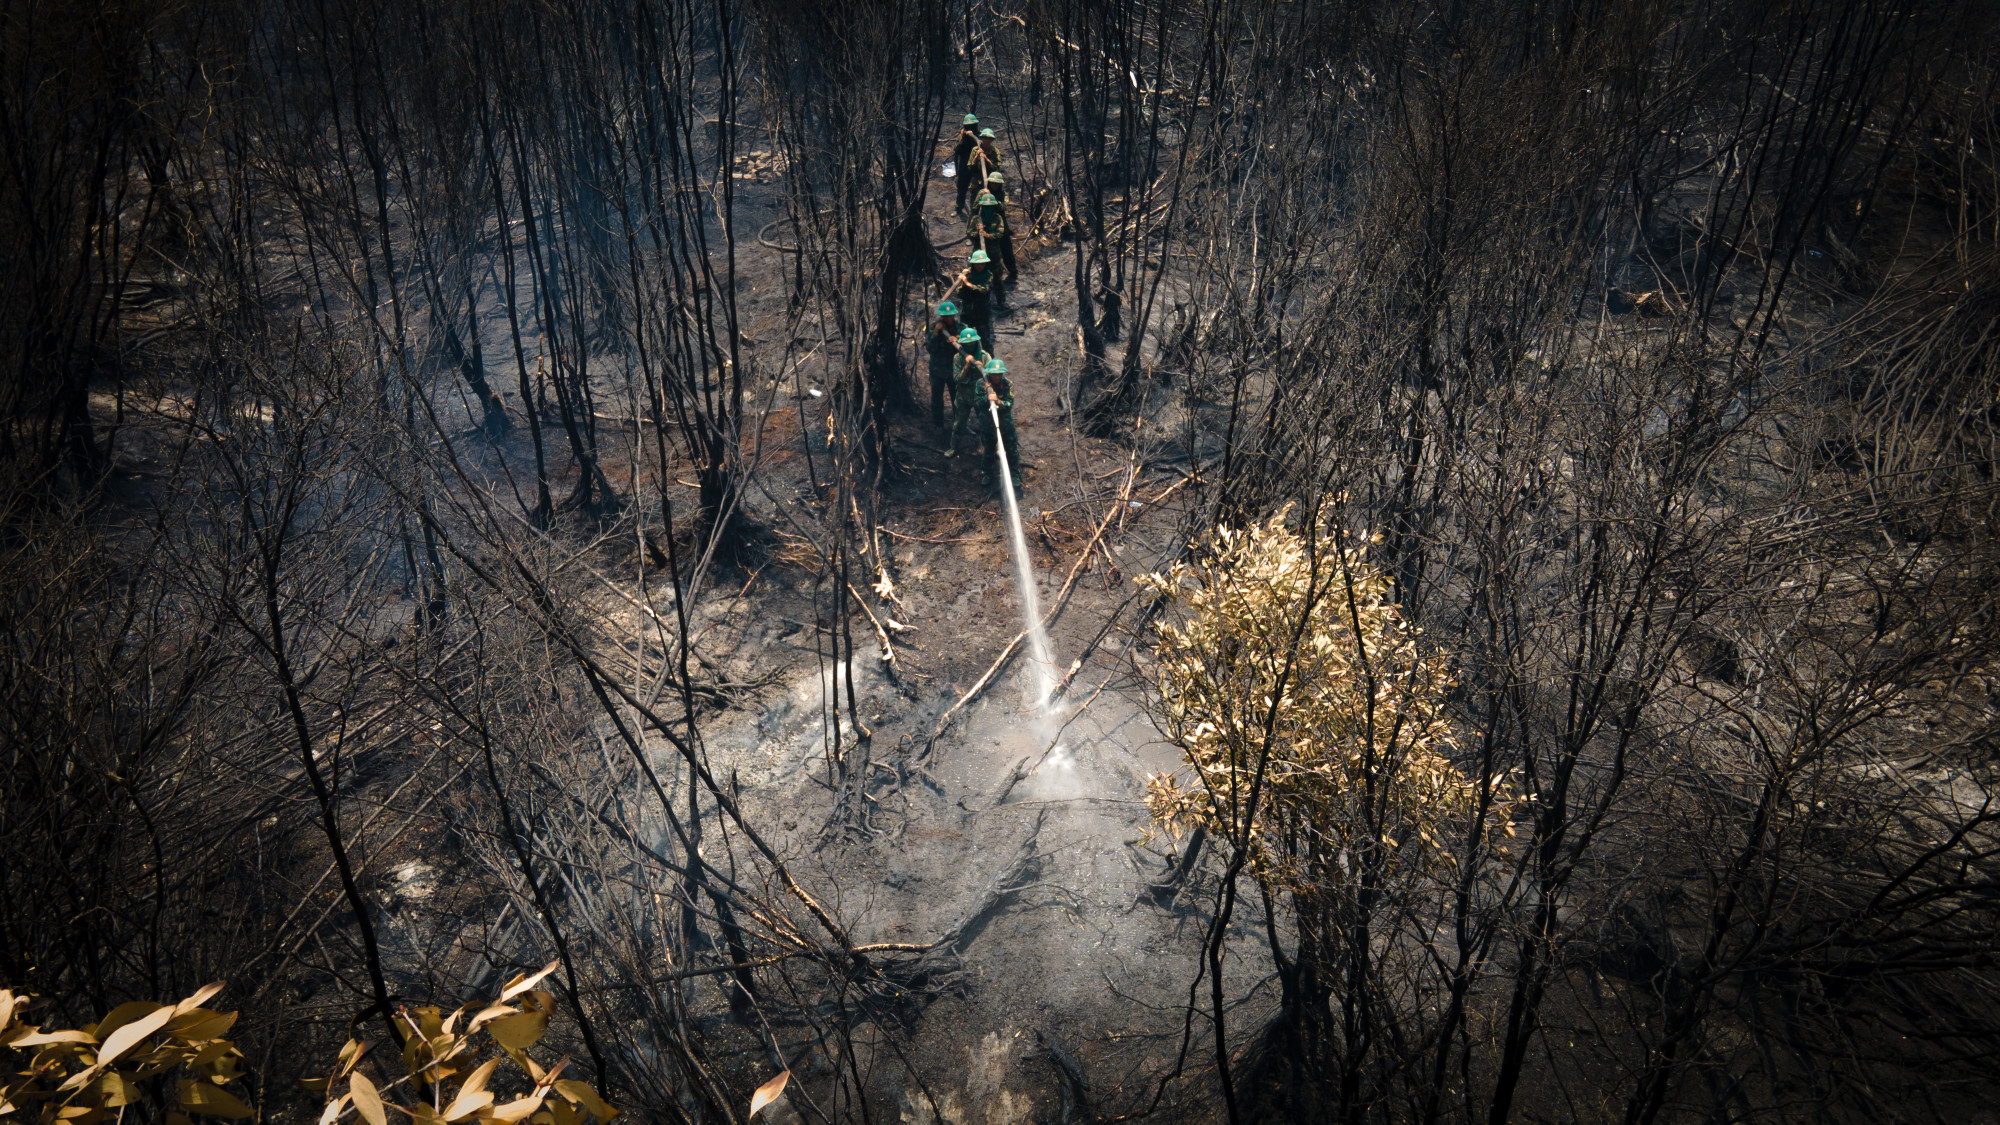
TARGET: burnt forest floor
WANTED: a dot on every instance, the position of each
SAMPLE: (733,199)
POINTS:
(1024,832)
(1076,956)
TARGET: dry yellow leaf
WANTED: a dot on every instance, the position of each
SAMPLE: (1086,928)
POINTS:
(211,1100)
(199,1024)
(43,1038)
(522,984)
(519,1031)
(769,1091)
(367,1099)
(466,1104)
(477,1080)
(581,1094)
(430,1021)
(112,1090)
(201,996)
(490,1013)
(121,1041)
(121,1015)
(516,1110)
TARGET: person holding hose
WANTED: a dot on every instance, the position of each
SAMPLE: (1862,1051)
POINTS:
(974,293)
(1000,402)
(969,367)
(968,143)
(989,229)
(941,344)
(988,153)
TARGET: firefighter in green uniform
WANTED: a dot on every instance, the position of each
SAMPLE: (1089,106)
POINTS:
(974,292)
(997,184)
(968,143)
(941,343)
(991,225)
(1000,394)
(969,367)
(988,151)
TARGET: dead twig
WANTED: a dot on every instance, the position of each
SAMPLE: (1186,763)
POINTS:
(881,632)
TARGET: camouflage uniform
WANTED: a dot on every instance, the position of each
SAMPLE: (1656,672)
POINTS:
(975,300)
(988,458)
(968,401)
(941,344)
(991,224)
(968,143)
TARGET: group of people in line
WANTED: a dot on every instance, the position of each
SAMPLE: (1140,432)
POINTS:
(960,340)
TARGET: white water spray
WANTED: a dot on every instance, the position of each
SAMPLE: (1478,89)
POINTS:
(1024,577)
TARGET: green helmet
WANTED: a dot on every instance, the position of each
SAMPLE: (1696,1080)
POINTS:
(988,199)
(969,336)
(986,135)
(979,258)
(995,367)
(995,178)
(969,120)
(946,308)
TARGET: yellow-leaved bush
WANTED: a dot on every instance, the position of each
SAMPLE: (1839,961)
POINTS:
(1272,642)
(80,1076)
(449,1063)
